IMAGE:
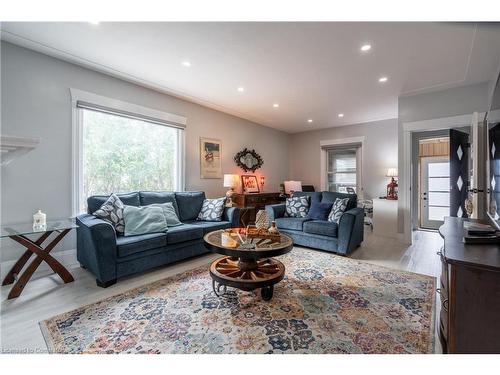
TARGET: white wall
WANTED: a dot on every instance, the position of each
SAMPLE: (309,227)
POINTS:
(35,102)
(380,151)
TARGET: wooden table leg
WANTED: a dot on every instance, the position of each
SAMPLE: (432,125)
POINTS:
(42,254)
(14,271)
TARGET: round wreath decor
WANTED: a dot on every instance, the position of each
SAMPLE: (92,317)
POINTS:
(248,160)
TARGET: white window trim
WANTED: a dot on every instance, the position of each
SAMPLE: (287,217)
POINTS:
(324,144)
(118,105)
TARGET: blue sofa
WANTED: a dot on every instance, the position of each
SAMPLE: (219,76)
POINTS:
(321,234)
(110,257)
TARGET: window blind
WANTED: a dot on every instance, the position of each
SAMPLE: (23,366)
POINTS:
(130,115)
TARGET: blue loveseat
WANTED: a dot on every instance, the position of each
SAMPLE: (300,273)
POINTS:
(110,257)
(321,234)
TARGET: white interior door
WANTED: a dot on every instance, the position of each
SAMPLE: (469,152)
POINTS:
(434,191)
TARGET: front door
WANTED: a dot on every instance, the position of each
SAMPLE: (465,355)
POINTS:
(434,191)
(459,172)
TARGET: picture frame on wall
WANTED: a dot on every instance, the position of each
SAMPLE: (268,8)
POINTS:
(249,183)
(210,158)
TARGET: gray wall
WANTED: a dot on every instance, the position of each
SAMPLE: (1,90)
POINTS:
(380,151)
(446,103)
(36,103)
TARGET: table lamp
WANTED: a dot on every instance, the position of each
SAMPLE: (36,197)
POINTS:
(230,181)
(392,187)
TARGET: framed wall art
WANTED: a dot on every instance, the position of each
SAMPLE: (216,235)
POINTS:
(210,158)
(249,183)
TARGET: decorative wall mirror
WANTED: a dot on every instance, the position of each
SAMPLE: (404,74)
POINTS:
(248,160)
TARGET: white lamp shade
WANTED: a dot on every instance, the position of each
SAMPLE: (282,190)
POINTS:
(231,180)
(293,186)
(392,172)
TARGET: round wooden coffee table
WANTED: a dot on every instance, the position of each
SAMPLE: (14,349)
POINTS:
(244,267)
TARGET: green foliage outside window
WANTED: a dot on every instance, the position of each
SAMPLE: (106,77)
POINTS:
(122,155)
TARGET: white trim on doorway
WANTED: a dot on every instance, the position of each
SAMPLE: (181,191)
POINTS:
(405,180)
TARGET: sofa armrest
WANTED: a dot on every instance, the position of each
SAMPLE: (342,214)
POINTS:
(351,230)
(232,214)
(96,246)
(275,211)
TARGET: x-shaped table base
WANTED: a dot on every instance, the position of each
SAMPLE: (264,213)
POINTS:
(42,255)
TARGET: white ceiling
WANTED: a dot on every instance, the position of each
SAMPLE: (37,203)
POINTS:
(313,70)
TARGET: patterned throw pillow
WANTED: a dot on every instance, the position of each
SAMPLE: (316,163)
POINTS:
(112,211)
(297,207)
(212,209)
(338,209)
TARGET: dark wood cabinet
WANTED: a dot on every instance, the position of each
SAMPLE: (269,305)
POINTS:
(252,203)
(469,291)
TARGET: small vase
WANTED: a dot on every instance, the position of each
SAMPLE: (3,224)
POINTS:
(273,228)
(39,220)
(262,220)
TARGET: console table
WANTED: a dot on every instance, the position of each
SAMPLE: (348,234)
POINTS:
(254,202)
(19,233)
(469,292)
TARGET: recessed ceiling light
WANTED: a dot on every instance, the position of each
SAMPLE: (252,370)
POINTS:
(94,22)
(310,120)
(276,105)
(241,89)
(366,47)
(382,79)
(340,115)
(187,64)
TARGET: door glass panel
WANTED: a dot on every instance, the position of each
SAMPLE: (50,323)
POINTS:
(439,169)
(439,199)
(439,184)
(438,213)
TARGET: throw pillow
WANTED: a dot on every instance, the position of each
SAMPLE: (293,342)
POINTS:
(143,220)
(112,212)
(319,211)
(297,207)
(212,209)
(169,212)
(338,209)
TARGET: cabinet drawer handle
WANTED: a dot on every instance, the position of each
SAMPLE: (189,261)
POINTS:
(445,305)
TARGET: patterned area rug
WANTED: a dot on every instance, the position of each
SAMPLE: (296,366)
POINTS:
(325,304)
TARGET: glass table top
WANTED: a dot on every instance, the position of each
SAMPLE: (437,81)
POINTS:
(27,228)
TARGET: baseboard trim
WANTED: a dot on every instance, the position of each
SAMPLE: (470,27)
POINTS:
(66,257)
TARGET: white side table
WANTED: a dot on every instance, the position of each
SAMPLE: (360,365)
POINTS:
(385,217)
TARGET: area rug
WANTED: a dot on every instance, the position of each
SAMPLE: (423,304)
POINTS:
(325,304)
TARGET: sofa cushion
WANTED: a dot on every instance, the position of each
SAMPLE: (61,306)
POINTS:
(189,204)
(159,197)
(290,223)
(136,244)
(169,212)
(319,211)
(297,206)
(321,227)
(330,197)
(183,233)
(143,220)
(338,209)
(112,212)
(315,196)
(212,209)
(210,226)
(96,201)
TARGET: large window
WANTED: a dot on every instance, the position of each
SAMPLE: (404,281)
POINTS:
(342,170)
(120,152)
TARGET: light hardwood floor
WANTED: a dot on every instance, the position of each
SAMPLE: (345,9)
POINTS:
(47,296)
